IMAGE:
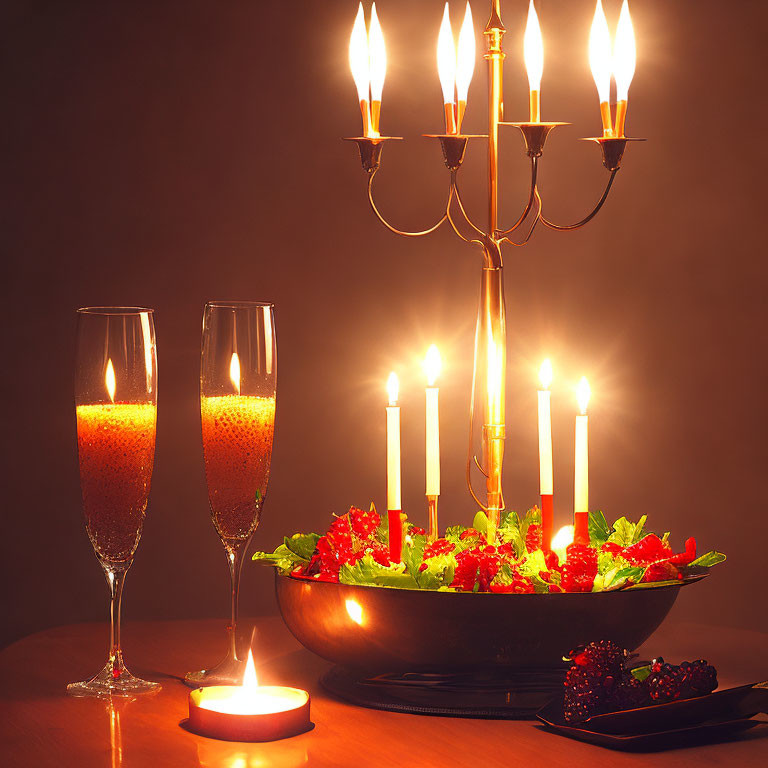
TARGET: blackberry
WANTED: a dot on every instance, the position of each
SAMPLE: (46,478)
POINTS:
(579,705)
(631,693)
(699,678)
(593,679)
(602,657)
(586,693)
(665,682)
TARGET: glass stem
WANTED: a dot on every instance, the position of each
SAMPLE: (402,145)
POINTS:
(235,555)
(115,579)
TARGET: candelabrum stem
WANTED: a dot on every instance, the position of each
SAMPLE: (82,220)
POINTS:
(235,556)
(115,580)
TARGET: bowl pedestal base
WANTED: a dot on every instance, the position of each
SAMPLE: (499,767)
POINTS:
(503,694)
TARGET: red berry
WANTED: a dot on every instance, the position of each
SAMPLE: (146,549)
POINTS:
(663,571)
(364,524)
(438,547)
(684,558)
(476,566)
(650,549)
(533,537)
(580,568)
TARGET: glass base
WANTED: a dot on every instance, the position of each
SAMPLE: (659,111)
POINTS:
(112,682)
(229,671)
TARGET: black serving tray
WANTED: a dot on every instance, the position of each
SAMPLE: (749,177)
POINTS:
(704,718)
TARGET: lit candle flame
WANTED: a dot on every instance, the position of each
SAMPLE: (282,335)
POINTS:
(393,386)
(465,59)
(109,380)
(234,372)
(359,61)
(377,56)
(533,50)
(545,374)
(432,364)
(250,680)
(446,58)
(624,53)
(583,393)
(600,53)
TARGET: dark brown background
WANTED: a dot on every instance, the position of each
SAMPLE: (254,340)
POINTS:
(165,153)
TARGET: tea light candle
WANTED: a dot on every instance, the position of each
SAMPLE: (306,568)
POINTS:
(249,712)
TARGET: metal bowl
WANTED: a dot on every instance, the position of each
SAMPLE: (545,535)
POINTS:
(380,630)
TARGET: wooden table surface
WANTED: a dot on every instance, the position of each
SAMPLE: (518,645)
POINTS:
(41,726)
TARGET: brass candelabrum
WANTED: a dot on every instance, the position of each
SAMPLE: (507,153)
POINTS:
(490,337)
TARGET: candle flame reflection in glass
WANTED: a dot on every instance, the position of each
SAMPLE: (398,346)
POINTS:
(355,611)
(583,393)
(432,365)
(495,384)
(109,380)
(600,53)
(234,371)
(533,50)
(546,374)
(393,387)
(624,53)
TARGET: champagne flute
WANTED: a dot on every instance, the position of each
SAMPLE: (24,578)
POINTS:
(238,379)
(116,411)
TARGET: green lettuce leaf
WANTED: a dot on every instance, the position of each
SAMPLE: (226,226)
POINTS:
(617,578)
(302,544)
(413,554)
(541,586)
(453,532)
(533,564)
(368,571)
(710,559)
(480,523)
(438,573)
(599,530)
(626,533)
(282,558)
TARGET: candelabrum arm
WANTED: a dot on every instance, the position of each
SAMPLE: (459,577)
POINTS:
(455,195)
(588,218)
(536,220)
(531,197)
(400,231)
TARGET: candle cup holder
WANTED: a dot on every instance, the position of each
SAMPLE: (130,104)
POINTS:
(258,726)
(535,135)
(454,146)
(370,150)
(613,150)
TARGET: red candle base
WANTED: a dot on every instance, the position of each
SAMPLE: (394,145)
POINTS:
(581,528)
(395,535)
(547,507)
